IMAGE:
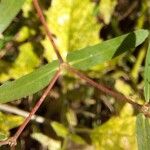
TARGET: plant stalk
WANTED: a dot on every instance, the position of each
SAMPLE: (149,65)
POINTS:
(12,141)
(49,34)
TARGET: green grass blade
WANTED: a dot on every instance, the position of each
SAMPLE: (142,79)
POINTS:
(147,75)
(93,55)
(143,132)
(28,84)
(8,10)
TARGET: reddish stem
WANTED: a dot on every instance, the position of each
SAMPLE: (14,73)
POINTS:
(42,19)
(104,89)
(12,141)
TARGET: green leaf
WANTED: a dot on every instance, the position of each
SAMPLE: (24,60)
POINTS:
(28,84)
(73,27)
(93,55)
(77,139)
(60,129)
(143,132)
(46,141)
(8,10)
(81,59)
(147,75)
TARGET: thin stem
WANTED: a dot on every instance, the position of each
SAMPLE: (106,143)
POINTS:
(105,89)
(49,34)
(12,141)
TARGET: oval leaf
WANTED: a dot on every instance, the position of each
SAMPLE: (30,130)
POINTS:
(93,55)
(143,132)
(8,10)
(28,84)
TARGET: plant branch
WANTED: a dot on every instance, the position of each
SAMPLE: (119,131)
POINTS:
(12,141)
(145,109)
(49,34)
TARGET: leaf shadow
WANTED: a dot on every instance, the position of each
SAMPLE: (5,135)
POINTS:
(128,43)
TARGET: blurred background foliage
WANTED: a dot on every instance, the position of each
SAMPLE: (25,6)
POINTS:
(76,116)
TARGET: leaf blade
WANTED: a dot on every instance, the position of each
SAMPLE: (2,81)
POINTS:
(28,84)
(147,75)
(90,56)
(143,132)
(8,10)
(38,79)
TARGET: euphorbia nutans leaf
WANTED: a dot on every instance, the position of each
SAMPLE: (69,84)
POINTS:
(28,84)
(82,59)
(100,53)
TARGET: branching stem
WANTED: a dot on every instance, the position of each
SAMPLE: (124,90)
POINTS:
(104,89)
(13,140)
(145,109)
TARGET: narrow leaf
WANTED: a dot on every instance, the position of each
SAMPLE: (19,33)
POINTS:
(147,75)
(8,10)
(46,141)
(28,84)
(82,59)
(60,129)
(93,55)
(143,132)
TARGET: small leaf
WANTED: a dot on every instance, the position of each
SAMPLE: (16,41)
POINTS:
(71,117)
(60,129)
(90,56)
(147,75)
(143,132)
(28,84)
(77,139)
(8,10)
(46,141)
